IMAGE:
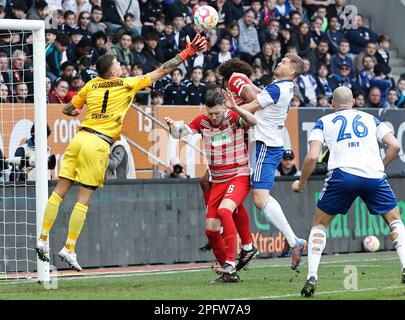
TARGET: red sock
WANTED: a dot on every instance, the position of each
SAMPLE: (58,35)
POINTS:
(217,245)
(229,233)
(206,196)
(241,219)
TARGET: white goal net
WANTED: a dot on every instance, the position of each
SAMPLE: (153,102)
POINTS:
(23,161)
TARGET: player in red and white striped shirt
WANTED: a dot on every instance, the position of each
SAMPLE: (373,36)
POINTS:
(223,134)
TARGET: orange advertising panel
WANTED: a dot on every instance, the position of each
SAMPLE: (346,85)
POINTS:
(138,128)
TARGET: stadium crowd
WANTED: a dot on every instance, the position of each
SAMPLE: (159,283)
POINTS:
(143,34)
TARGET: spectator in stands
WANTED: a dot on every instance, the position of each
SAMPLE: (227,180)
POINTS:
(382,55)
(342,58)
(83,24)
(69,21)
(75,85)
(50,37)
(96,25)
(180,8)
(68,71)
(323,85)
(322,101)
(4,97)
(99,40)
(83,49)
(359,100)
(287,166)
(223,54)
(54,55)
(296,101)
(20,93)
(308,84)
(59,92)
(39,11)
(111,15)
(195,88)
(401,92)
(302,40)
(123,7)
(151,11)
(233,10)
(367,73)
(283,8)
(201,59)
(154,55)
(296,5)
(321,55)
(234,31)
(19,10)
(248,37)
(175,92)
(255,6)
(77,6)
(267,14)
(342,78)
(264,59)
(269,33)
(210,78)
(127,26)
(334,35)
(2,12)
(337,10)
(360,36)
(48,86)
(19,72)
(382,81)
(374,98)
(370,50)
(295,21)
(156,98)
(316,33)
(392,99)
(167,41)
(3,63)
(321,13)
(123,52)
(178,32)
(138,44)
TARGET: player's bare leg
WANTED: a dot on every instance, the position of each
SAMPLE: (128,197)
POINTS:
(316,245)
(394,221)
(274,213)
(76,224)
(51,212)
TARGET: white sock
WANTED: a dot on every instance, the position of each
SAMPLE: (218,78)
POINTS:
(232,263)
(276,216)
(398,238)
(316,244)
(247,247)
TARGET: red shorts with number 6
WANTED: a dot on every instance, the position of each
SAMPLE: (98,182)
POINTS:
(236,189)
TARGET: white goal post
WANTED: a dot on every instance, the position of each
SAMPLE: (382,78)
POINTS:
(40,120)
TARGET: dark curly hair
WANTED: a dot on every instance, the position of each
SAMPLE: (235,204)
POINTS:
(234,65)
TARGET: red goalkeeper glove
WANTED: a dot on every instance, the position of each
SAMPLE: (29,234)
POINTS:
(193,47)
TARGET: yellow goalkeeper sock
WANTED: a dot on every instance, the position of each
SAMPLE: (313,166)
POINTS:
(51,212)
(76,224)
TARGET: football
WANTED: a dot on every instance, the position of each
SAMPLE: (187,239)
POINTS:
(205,17)
(371,244)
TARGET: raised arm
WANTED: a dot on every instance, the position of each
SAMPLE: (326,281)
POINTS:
(191,49)
(248,119)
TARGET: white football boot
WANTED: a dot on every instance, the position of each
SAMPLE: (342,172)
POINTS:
(42,250)
(70,258)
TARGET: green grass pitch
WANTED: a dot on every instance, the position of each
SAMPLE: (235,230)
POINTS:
(364,276)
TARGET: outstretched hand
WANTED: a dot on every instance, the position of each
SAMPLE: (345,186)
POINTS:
(192,47)
(296,187)
(229,100)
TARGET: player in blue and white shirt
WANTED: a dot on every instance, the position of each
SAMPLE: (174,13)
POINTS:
(270,108)
(355,170)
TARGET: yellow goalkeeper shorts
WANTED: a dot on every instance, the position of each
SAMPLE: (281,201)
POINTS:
(86,159)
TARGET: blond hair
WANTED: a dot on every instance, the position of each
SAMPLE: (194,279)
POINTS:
(297,63)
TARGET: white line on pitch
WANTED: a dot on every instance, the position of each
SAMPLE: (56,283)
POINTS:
(320,293)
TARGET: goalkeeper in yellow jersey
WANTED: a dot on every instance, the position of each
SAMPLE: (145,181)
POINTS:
(108,98)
